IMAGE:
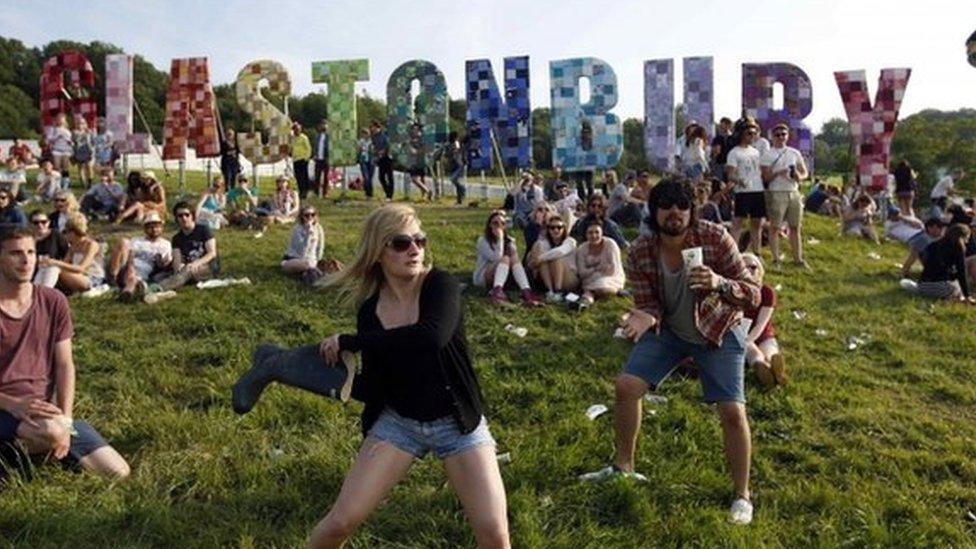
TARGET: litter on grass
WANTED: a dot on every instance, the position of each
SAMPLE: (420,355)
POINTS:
(812,241)
(504,458)
(596,411)
(778,287)
(799,314)
(874,255)
(517,330)
(970,516)
(821,332)
(572,298)
(853,342)
(97,291)
(655,399)
(222,283)
(155,298)
(619,334)
(277,453)
(259,235)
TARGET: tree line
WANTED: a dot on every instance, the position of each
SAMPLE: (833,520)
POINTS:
(931,140)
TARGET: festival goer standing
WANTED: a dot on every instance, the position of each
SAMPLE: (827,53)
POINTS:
(104,146)
(83,152)
(418,159)
(59,139)
(742,168)
(454,152)
(684,311)
(230,158)
(301,151)
(364,156)
(320,154)
(722,143)
(946,187)
(37,371)
(906,185)
(693,159)
(381,154)
(782,170)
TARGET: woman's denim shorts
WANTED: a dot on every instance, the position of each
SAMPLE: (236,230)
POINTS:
(441,436)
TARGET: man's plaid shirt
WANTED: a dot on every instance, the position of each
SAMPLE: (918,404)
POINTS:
(714,314)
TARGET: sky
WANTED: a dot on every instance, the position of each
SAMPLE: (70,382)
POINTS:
(818,36)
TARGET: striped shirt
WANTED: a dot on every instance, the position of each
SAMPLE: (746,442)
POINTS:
(714,313)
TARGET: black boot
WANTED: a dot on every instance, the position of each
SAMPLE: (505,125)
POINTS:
(302,367)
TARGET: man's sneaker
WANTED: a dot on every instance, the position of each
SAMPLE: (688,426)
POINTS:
(553,297)
(140,292)
(609,472)
(908,285)
(741,511)
(778,366)
(497,296)
(529,299)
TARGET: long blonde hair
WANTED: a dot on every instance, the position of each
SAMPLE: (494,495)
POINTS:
(362,277)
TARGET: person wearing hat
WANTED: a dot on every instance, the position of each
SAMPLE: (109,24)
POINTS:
(134,262)
(933,230)
(152,198)
(742,169)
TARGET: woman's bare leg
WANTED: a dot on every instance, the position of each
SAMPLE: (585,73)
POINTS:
(378,468)
(478,483)
(74,282)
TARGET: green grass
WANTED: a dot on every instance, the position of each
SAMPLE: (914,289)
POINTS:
(865,448)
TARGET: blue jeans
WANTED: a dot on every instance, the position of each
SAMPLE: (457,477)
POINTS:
(366,168)
(441,435)
(720,369)
(460,189)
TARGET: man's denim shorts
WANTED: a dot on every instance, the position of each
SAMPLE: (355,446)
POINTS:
(720,369)
(440,436)
(85,441)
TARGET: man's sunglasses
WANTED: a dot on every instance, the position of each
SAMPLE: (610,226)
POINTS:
(40,221)
(401,242)
(681,203)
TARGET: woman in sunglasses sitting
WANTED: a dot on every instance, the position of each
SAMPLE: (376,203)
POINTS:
(306,248)
(497,258)
(553,259)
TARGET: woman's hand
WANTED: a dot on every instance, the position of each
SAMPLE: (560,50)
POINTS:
(329,349)
(44,261)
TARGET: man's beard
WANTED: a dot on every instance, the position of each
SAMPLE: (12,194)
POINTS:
(674,226)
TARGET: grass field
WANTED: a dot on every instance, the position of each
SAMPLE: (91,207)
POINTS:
(871,447)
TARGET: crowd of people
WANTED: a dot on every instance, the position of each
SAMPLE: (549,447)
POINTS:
(688,251)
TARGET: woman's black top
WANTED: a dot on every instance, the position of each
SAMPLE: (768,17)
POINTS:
(423,370)
(943,260)
(904,182)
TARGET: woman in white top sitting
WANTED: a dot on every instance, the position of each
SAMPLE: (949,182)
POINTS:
(85,267)
(213,202)
(286,203)
(497,258)
(598,266)
(553,259)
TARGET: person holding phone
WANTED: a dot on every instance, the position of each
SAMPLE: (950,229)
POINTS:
(782,170)
(680,312)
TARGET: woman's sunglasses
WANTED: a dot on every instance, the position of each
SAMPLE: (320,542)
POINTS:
(556,227)
(402,242)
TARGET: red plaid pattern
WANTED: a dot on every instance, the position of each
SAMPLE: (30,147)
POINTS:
(714,314)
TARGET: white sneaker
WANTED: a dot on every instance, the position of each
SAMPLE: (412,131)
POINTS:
(741,511)
(553,297)
(908,285)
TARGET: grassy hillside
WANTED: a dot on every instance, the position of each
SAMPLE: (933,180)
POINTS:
(870,447)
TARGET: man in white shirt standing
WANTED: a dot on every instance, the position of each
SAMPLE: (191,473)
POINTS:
(782,170)
(742,169)
(945,188)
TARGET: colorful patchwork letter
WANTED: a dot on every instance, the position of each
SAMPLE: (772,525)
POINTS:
(54,96)
(277,125)
(118,105)
(872,128)
(757,101)
(341,78)
(191,117)
(585,137)
(659,133)
(409,147)
(510,119)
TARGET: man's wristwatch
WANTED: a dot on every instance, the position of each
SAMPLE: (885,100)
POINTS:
(724,287)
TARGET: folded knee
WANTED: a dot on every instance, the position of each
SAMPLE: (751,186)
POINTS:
(629,387)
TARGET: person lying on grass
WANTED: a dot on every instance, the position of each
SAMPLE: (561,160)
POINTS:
(944,268)
(137,262)
(762,349)
(497,258)
(194,250)
(37,370)
(598,266)
(682,312)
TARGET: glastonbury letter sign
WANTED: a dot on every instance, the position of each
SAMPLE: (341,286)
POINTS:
(585,136)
